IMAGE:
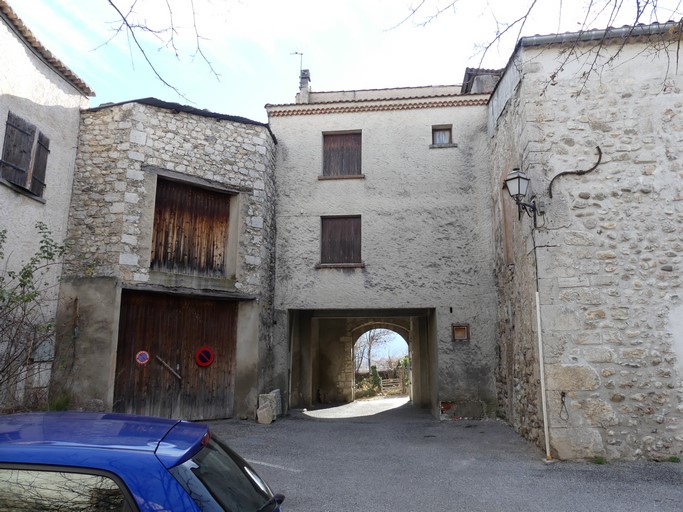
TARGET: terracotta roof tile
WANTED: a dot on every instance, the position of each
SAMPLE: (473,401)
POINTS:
(22,30)
(381,106)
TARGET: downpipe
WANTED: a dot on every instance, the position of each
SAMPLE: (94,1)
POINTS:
(541,364)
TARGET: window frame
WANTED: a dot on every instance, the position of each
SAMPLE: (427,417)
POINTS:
(331,152)
(327,249)
(25,152)
(442,128)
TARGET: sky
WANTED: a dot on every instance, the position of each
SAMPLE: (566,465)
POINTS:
(254,47)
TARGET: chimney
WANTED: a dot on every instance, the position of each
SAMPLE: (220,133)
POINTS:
(304,86)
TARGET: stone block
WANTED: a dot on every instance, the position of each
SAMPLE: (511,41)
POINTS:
(562,377)
(277,397)
(265,414)
(576,443)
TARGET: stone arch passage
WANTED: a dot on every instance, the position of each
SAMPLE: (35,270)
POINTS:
(322,341)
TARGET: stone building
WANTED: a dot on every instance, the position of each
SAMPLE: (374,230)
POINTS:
(166,297)
(603,154)
(379,201)
(563,315)
(40,102)
(393,212)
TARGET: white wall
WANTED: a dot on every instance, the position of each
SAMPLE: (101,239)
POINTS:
(426,236)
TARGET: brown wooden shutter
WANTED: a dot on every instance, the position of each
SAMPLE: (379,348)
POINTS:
(342,154)
(17,149)
(190,229)
(341,240)
(40,165)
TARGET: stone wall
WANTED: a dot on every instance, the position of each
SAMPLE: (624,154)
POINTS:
(123,149)
(608,255)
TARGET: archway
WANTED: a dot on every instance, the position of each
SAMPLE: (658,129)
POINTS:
(381,358)
(322,362)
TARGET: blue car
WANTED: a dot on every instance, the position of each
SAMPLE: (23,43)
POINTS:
(79,461)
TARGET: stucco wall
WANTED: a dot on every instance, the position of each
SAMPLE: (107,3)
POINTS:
(425,242)
(609,253)
(32,90)
(123,150)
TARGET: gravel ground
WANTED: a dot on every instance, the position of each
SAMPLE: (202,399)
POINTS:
(384,455)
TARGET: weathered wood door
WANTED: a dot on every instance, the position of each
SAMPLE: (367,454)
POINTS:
(168,332)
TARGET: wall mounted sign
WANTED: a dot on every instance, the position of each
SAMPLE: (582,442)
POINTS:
(461,332)
(204,356)
(142,357)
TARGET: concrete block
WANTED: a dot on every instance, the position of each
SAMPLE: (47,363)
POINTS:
(277,396)
(265,414)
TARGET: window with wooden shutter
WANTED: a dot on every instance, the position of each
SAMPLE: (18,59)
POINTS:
(341,241)
(190,230)
(342,154)
(24,155)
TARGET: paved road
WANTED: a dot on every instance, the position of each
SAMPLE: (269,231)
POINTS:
(384,455)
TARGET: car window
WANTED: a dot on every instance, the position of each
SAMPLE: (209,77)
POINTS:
(219,480)
(59,491)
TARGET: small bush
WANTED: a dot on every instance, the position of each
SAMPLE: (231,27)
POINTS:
(599,459)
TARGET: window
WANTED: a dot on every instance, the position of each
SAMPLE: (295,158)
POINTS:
(342,154)
(30,490)
(190,230)
(24,155)
(442,136)
(340,241)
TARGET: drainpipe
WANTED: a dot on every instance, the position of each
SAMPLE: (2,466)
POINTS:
(541,363)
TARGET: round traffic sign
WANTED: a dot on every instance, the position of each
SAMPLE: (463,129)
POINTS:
(142,357)
(204,356)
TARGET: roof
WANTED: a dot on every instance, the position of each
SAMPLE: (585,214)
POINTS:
(378,100)
(472,73)
(30,40)
(177,107)
(623,33)
(180,108)
(73,437)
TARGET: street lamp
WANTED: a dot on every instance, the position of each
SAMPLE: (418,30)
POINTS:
(517,185)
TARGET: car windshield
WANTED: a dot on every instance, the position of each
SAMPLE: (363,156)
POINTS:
(220,480)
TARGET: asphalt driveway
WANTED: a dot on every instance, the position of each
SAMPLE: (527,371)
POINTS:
(385,455)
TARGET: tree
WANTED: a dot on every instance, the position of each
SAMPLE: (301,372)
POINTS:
(510,22)
(25,328)
(153,26)
(363,348)
(162,25)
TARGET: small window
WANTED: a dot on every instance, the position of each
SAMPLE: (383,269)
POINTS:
(342,154)
(442,135)
(340,241)
(24,155)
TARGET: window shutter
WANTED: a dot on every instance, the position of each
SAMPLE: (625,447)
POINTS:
(342,154)
(40,165)
(16,153)
(190,230)
(341,240)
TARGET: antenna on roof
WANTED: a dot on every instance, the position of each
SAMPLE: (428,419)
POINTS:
(301,60)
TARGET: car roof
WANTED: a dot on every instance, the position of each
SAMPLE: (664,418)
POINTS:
(67,437)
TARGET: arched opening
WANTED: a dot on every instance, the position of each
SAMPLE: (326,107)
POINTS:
(322,353)
(382,365)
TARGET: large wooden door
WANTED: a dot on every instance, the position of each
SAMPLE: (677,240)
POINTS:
(169,330)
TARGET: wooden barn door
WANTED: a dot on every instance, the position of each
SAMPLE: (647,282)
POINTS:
(176,356)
